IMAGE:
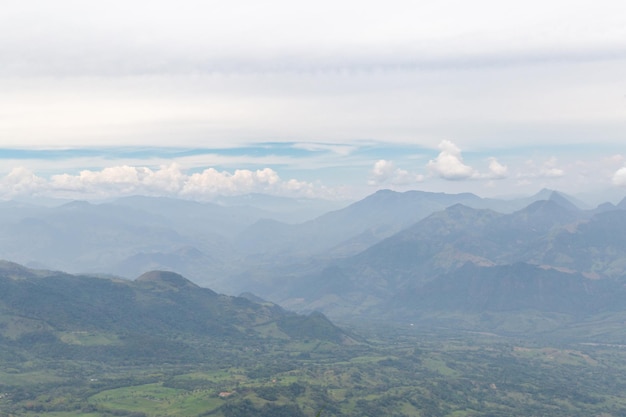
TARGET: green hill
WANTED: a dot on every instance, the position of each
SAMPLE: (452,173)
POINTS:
(160,315)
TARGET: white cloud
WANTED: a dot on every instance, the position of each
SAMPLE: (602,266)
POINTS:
(124,180)
(21,181)
(167,180)
(550,169)
(449,163)
(619,177)
(385,172)
(497,170)
(242,181)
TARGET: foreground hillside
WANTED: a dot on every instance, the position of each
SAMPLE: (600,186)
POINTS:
(159,316)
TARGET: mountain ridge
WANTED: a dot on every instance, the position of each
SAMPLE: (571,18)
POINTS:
(47,308)
(554,243)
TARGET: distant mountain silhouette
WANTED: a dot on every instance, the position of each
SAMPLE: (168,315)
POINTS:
(476,260)
(236,246)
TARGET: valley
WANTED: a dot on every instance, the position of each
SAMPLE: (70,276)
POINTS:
(398,372)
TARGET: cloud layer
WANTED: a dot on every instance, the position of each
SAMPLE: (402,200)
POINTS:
(69,37)
(168,180)
(312,170)
(158,73)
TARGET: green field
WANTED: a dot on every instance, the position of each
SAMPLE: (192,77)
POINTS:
(401,373)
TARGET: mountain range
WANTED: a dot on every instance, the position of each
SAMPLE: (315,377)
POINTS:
(208,242)
(389,256)
(549,256)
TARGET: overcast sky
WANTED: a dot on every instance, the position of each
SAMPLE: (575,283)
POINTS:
(332,99)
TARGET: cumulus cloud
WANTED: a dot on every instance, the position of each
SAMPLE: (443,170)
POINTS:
(449,163)
(619,177)
(166,180)
(21,181)
(382,171)
(242,181)
(385,172)
(497,170)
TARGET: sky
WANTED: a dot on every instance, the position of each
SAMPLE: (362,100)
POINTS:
(325,99)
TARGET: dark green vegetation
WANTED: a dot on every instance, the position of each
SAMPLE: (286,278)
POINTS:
(401,372)
(161,346)
(158,311)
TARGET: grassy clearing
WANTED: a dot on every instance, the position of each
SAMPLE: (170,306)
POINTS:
(156,400)
(438,365)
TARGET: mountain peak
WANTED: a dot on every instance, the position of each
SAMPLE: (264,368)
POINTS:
(563,201)
(17,271)
(167,279)
(543,208)
(543,194)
